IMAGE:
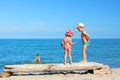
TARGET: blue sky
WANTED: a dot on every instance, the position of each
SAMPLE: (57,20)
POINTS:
(51,18)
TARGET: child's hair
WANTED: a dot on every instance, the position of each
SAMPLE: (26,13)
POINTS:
(37,54)
(68,35)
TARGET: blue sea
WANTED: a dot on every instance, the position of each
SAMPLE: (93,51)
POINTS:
(23,51)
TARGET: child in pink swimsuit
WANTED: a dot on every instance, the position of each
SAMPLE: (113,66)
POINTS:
(67,45)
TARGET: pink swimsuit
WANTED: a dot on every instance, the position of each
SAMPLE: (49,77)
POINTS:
(66,47)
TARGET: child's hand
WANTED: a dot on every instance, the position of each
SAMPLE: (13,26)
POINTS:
(89,41)
(61,45)
(75,42)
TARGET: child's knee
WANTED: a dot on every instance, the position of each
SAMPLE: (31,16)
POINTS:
(83,51)
(69,55)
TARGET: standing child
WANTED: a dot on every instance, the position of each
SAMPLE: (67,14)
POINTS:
(85,40)
(67,44)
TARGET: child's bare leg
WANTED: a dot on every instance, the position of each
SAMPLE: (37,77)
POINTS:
(65,56)
(84,57)
(70,57)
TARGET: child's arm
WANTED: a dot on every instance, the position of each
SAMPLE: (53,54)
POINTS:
(62,43)
(72,42)
(87,36)
(34,60)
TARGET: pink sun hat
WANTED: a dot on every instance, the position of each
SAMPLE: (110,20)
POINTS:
(69,33)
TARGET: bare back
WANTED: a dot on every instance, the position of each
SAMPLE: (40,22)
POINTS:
(67,41)
(85,37)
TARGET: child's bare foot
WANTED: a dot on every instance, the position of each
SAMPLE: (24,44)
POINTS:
(70,62)
(83,61)
(64,63)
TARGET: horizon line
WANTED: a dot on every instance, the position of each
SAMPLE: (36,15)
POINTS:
(57,38)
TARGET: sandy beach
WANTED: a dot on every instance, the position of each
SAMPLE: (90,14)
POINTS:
(114,76)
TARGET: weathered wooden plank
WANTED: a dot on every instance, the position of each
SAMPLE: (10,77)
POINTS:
(104,70)
(5,74)
(52,67)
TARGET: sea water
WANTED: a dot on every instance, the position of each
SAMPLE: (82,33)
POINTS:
(23,51)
